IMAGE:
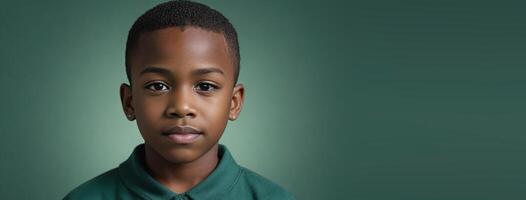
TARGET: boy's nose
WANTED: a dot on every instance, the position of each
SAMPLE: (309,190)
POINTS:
(180,105)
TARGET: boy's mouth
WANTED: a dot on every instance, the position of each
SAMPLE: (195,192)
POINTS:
(182,134)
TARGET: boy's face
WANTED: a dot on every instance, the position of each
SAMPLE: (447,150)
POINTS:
(182,78)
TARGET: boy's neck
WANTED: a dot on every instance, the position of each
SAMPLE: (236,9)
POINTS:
(180,177)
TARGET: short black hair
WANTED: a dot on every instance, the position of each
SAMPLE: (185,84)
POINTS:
(181,13)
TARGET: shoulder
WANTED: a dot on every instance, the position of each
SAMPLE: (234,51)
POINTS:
(96,188)
(263,187)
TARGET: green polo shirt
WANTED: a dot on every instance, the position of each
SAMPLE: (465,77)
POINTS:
(131,181)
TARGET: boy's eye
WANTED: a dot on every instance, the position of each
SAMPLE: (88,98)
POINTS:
(205,87)
(157,86)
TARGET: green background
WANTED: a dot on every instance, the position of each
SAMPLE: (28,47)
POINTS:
(373,100)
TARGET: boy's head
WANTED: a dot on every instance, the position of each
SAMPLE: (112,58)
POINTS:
(183,14)
(182,61)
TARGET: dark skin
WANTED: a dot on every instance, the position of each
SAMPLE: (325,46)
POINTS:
(181,77)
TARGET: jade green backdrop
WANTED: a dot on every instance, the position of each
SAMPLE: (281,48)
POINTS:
(366,101)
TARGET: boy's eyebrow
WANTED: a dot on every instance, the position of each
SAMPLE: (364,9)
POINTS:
(208,70)
(197,72)
(157,70)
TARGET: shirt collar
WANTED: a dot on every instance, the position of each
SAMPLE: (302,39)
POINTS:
(137,179)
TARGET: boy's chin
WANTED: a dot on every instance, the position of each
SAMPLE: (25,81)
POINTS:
(181,155)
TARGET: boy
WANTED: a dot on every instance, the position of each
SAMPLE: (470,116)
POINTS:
(182,62)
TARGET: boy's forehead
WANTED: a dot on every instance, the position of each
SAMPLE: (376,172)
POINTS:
(183,46)
(184,37)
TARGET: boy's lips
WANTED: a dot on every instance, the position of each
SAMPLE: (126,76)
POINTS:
(182,134)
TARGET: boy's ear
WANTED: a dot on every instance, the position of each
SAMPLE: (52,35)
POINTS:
(127,101)
(238,95)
